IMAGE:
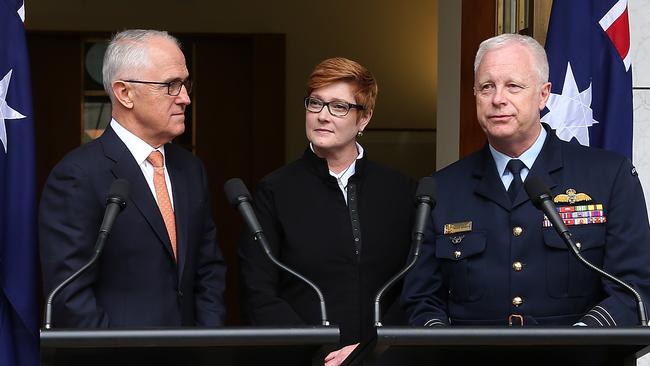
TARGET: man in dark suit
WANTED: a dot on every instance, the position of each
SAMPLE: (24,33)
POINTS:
(161,265)
(490,257)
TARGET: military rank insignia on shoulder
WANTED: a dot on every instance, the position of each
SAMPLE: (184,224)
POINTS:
(577,209)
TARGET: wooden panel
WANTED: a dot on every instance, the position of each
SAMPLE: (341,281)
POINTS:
(541,15)
(268,137)
(478,24)
(56,89)
(223,129)
(239,97)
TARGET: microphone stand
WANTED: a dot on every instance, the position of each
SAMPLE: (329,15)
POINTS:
(99,245)
(116,201)
(425,196)
(541,198)
(417,243)
(568,240)
(259,236)
(239,197)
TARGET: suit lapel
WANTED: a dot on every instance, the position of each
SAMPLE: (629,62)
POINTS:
(489,183)
(179,177)
(127,168)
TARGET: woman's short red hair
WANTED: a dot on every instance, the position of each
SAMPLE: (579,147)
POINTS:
(338,69)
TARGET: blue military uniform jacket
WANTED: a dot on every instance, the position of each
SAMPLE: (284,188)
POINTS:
(486,260)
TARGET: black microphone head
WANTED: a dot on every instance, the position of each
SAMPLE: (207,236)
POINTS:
(426,188)
(236,191)
(536,190)
(119,192)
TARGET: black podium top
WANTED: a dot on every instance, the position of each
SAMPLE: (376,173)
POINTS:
(188,346)
(511,336)
(188,337)
(494,345)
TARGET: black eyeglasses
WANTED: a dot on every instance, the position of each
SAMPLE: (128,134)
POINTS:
(336,107)
(173,87)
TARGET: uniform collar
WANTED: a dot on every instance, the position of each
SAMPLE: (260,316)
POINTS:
(528,157)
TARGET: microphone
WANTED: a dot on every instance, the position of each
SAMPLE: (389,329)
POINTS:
(115,202)
(541,198)
(425,197)
(239,197)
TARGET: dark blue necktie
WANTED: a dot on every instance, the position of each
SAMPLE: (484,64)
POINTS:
(515,166)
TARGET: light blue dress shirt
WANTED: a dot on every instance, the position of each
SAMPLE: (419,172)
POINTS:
(528,158)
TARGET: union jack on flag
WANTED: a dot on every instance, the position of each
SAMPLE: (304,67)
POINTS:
(588,47)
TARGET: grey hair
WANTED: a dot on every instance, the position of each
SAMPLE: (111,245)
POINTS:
(127,53)
(540,62)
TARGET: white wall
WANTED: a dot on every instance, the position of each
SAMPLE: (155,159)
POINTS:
(639,12)
(448,110)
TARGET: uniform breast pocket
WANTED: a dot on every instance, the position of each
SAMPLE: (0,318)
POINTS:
(566,276)
(460,255)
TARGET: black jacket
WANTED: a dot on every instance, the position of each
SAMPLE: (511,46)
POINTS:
(310,228)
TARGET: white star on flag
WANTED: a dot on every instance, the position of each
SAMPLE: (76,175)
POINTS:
(570,112)
(21,12)
(6,112)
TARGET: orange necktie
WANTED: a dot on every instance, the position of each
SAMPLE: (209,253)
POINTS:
(164,203)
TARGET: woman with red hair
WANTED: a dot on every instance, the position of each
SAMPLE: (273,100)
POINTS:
(338,218)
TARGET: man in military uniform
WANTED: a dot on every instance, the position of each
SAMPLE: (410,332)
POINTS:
(489,256)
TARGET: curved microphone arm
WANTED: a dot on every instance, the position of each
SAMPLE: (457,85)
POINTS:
(259,236)
(99,245)
(417,243)
(425,197)
(576,252)
(540,197)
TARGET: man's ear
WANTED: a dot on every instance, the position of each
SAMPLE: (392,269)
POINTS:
(123,93)
(544,94)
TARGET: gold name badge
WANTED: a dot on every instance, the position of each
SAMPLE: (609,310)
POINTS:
(458,227)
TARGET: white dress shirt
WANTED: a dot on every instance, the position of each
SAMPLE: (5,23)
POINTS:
(343,177)
(140,151)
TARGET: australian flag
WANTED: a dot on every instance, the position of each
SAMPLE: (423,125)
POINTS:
(588,47)
(19,339)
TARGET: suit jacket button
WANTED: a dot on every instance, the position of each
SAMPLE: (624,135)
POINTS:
(517,266)
(517,231)
(516,301)
(180,293)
